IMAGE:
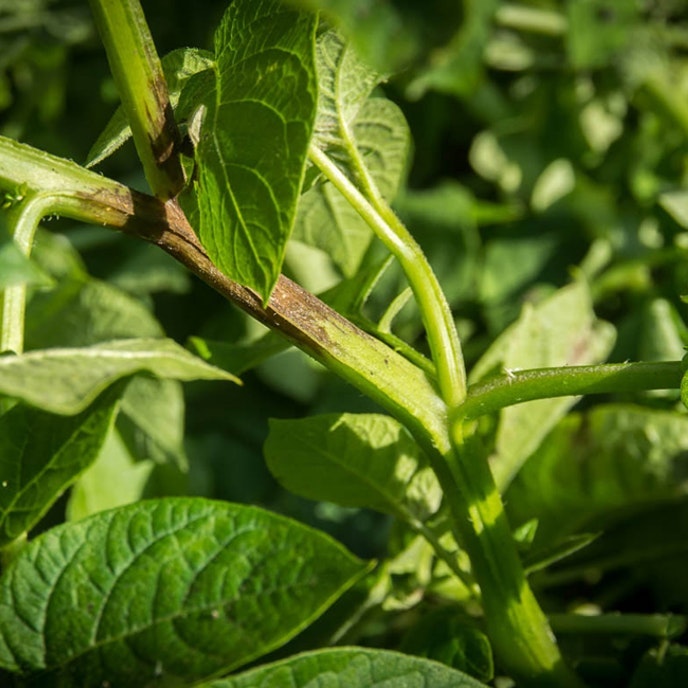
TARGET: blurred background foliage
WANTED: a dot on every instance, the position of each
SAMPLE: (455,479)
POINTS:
(550,144)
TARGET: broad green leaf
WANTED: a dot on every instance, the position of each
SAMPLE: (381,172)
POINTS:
(591,465)
(165,591)
(113,479)
(562,330)
(178,66)
(68,380)
(355,460)
(41,454)
(350,121)
(350,667)
(254,139)
(84,311)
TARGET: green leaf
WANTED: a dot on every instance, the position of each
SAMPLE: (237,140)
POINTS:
(15,267)
(178,66)
(254,138)
(41,455)
(591,465)
(151,421)
(355,460)
(68,380)
(113,479)
(448,637)
(238,358)
(84,311)
(562,330)
(349,119)
(167,590)
(353,667)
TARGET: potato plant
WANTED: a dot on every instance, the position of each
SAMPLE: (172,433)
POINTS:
(514,536)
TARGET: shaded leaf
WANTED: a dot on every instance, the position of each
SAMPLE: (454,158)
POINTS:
(594,464)
(84,311)
(446,636)
(355,460)
(458,66)
(238,358)
(68,380)
(350,667)
(178,67)
(168,589)
(151,421)
(562,330)
(665,668)
(112,480)
(41,454)
(254,138)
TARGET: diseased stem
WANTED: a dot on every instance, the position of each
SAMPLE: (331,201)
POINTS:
(141,84)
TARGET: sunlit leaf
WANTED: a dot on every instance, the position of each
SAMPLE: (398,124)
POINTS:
(562,330)
(255,134)
(364,460)
(165,590)
(68,380)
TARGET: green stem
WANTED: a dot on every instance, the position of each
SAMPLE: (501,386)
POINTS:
(435,311)
(23,220)
(517,627)
(139,77)
(655,625)
(526,385)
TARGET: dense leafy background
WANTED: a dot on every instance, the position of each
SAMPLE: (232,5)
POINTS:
(544,151)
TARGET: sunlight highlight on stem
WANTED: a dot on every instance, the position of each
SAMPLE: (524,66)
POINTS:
(437,317)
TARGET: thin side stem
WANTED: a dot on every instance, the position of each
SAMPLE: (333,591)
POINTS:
(141,84)
(526,385)
(23,221)
(437,317)
(663,626)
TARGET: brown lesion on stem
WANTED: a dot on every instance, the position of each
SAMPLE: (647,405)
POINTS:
(301,317)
